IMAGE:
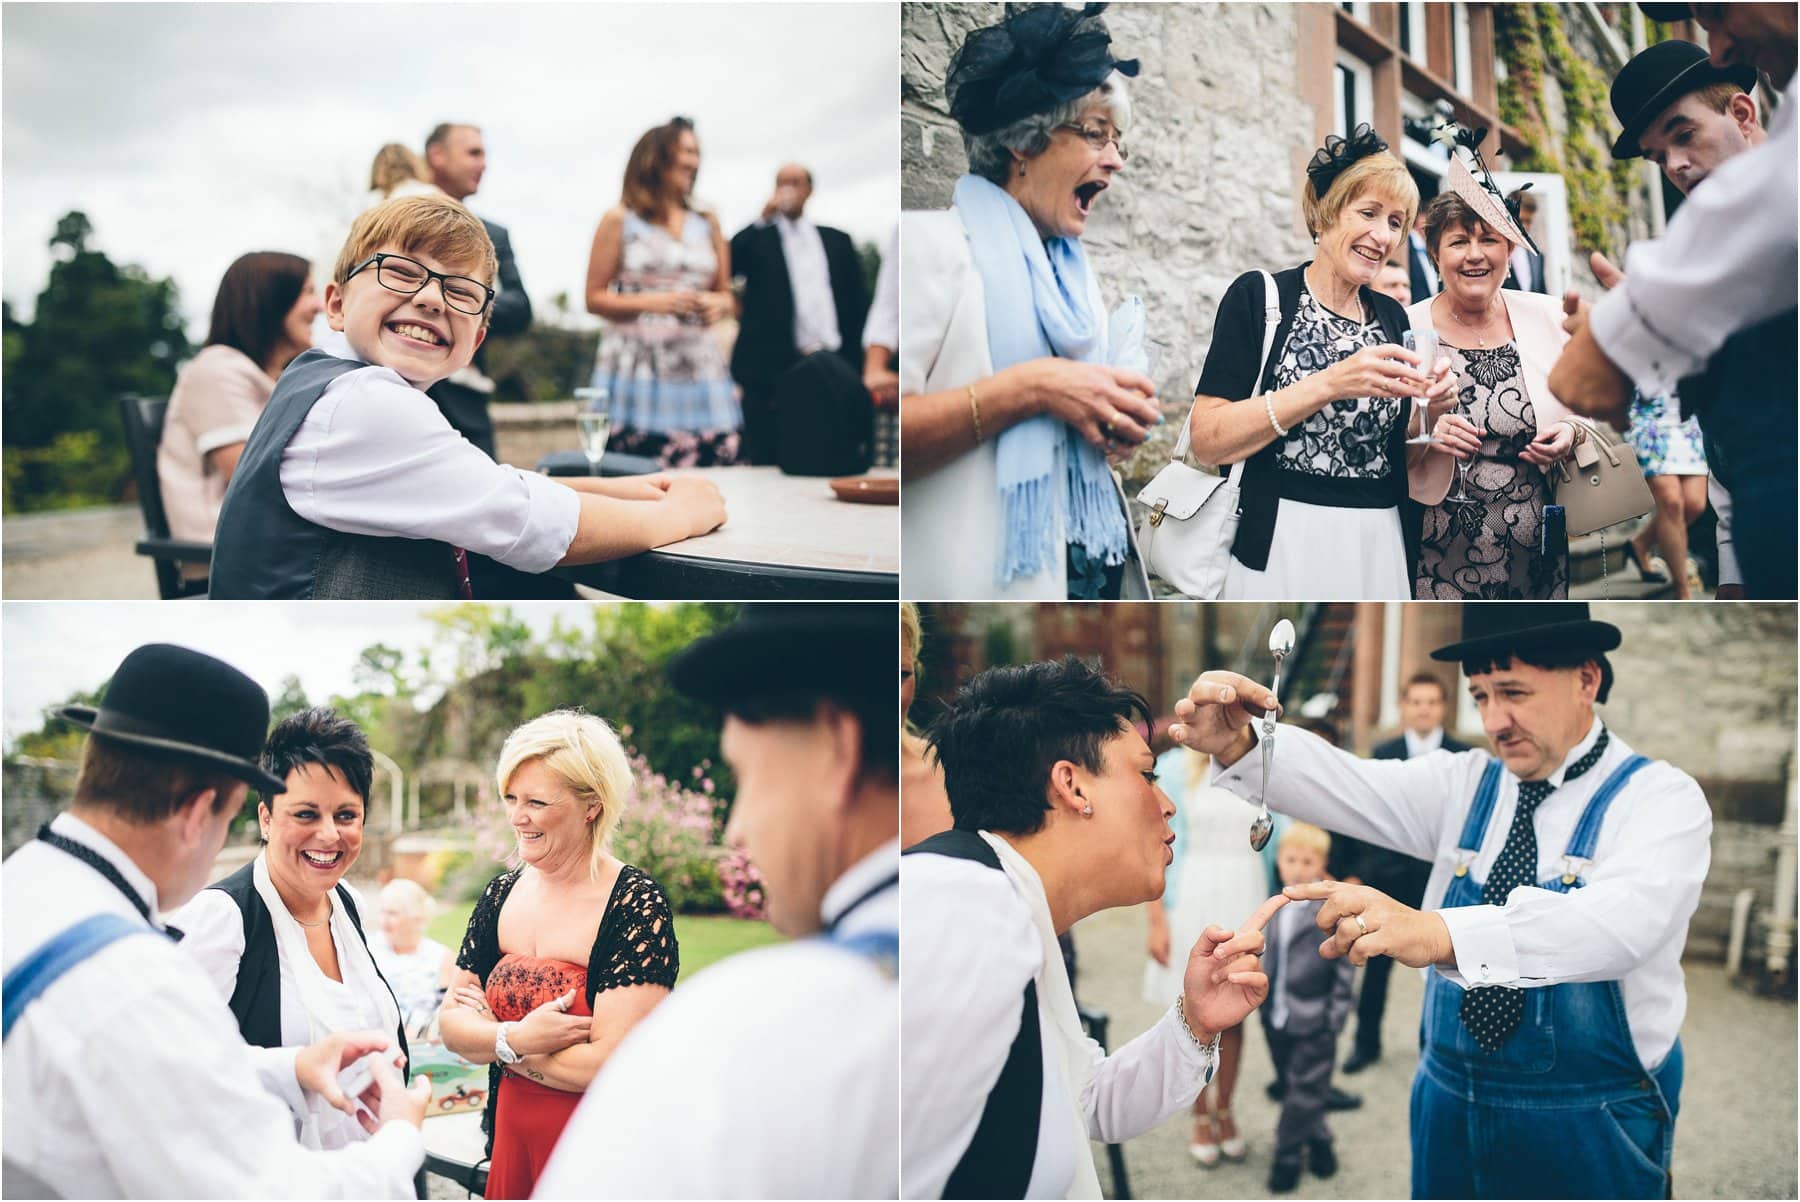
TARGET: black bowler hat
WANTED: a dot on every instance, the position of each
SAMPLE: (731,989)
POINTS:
(1040,56)
(1502,627)
(1667,12)
(172,699)
(847,649)
(1656,78)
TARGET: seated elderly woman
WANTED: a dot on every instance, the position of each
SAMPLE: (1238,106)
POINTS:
(1506,430)
(282,937)
(261,318)
(1058,816)
(1010,404)
(1320,423)
(565,953)
(418,967)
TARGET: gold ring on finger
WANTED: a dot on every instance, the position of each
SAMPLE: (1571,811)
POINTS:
(1361,926)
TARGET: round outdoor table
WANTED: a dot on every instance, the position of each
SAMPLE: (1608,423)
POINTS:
(784,538)
(454,1144)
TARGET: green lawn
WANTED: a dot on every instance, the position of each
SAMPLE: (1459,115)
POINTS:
(704,938)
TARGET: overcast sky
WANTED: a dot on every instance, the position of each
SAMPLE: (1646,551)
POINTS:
(192,133)
(55,649)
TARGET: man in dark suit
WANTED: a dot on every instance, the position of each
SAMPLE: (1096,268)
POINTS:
(1422,706)
(1423,276)
(802,292)
(458,160)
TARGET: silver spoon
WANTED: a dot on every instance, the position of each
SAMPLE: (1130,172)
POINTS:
(1281,645)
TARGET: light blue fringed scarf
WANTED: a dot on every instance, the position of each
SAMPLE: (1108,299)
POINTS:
(1039,303)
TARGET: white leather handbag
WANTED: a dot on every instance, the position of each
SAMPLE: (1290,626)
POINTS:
(1191,516)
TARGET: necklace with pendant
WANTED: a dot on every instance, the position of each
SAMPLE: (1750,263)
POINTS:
(1480,341)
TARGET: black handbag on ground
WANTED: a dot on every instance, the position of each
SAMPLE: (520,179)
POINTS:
(825,418)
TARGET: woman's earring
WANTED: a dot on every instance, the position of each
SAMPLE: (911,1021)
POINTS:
(1087,811)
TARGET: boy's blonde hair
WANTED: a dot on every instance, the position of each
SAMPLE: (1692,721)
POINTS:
(1380,173)
(584,754)
(432,225)
(1307,837)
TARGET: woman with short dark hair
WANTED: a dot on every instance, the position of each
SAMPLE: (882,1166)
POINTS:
(283,937)
(1058,816)
(660,274)
(261,318)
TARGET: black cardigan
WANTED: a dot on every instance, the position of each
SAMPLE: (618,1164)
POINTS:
(1264,483)
(256,999)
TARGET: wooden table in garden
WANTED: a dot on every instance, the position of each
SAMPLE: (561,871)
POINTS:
(784,538)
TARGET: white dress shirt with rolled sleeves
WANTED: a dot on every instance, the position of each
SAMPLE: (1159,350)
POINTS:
(776,1073)
(375,456)
(809,277)
(1726,262)
(969,945)
(127,1077)
(883,325)
(1628,923)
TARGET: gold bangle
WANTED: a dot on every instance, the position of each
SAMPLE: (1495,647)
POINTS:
(975,411)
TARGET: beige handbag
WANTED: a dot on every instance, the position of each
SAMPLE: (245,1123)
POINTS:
(1600,484)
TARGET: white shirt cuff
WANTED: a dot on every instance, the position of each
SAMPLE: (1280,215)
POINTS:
(1483,946)
(275,1066)
(1195,1060)
(1645,355)
(550,525)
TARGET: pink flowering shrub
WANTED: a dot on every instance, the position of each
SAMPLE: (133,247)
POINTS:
(741,884)
(667,830)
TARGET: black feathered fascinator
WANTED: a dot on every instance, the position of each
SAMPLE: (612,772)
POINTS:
(1037,58)
(1334,158)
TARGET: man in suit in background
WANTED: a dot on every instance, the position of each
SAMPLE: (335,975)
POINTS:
(802,292)
(1421,273)
(1422,706)
(457,160)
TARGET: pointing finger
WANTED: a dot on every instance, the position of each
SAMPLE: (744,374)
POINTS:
(1266,911)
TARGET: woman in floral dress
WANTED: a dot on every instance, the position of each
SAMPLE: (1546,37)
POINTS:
(660,273)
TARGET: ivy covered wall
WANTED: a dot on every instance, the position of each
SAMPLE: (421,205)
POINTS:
(1555,95)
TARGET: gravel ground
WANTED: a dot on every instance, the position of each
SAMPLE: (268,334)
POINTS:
(76,554)
(1735,1137)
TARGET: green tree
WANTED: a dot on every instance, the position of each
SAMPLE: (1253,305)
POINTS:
(100,330)
(290,701)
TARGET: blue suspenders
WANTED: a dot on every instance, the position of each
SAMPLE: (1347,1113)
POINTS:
(1580,849)
(41,969)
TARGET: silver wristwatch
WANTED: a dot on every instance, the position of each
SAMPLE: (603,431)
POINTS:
(503,1050)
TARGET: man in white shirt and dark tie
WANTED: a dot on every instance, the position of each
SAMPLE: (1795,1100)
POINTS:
(802,293)
(125,1075)
(1565,871)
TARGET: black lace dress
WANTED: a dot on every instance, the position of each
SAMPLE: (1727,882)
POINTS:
(635,945)
(1491,548)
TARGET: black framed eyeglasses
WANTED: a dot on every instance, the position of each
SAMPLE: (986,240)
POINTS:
(1097,137)
(397,273)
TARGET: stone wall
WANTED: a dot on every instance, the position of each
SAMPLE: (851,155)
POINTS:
(1211,191)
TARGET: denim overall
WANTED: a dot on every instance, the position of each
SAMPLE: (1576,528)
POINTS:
(1564,1109)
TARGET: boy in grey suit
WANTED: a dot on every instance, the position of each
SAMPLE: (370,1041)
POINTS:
(1309,1001)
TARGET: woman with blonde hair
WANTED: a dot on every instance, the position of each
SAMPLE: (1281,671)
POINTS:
(565,952)
(1319,420)
(398,171)
(660,274)
(924,808)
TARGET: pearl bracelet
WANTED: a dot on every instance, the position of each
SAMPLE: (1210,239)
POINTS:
(1269,407)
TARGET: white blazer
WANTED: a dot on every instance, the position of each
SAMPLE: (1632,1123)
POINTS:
(1537,329)
(950,520)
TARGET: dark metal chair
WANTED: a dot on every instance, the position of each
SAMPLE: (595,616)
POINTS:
(143,420)
(1095,1023)
(471,1177)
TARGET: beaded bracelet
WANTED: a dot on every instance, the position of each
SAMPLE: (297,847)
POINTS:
(1269,406)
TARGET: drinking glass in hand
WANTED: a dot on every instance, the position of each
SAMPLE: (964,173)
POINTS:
(596,424)
(1425,343)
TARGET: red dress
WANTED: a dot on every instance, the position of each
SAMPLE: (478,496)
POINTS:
(529,1117)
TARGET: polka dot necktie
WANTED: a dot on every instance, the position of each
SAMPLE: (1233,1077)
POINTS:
(1492,1013)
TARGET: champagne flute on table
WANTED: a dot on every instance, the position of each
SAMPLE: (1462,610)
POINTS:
(1425,343)
(595,420)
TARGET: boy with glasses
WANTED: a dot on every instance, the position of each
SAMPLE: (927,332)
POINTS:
(353,484)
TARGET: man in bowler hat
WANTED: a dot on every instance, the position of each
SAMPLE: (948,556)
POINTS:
(1565,870)
(125,1075)
(1709,308)
(805,1037)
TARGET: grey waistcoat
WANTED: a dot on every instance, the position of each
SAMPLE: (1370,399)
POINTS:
(263,549)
